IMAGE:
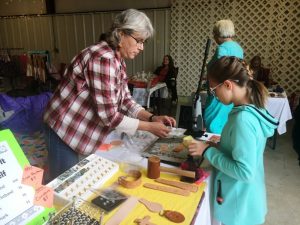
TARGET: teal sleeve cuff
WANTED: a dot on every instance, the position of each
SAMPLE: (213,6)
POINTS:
(210,152)
(205,150)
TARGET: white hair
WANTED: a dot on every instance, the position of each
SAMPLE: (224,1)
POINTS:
(224,29)
(130,21)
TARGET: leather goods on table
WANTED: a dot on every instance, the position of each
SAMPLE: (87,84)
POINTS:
(154,169)
(127,182)
(178,184)
(174,216)
(167,189)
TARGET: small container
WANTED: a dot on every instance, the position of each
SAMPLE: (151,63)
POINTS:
(153,171)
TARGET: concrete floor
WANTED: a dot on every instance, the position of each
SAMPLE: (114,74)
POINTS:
(283,182)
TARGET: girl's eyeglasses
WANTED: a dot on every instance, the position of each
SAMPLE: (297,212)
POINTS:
(213,90)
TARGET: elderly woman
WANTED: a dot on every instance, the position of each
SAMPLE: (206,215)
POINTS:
(216,113)
(93,97)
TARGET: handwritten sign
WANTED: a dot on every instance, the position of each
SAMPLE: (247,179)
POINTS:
(43,196)
(32,176)
(15,198)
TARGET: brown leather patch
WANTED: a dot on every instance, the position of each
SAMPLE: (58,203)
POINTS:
(174,216)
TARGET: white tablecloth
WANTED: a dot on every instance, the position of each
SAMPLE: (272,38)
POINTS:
(142,95)
(280,109)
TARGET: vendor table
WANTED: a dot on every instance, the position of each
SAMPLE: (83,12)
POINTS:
(97,176)
(130,153)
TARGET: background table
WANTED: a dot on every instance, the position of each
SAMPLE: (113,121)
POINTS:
(142,95)
(280,109)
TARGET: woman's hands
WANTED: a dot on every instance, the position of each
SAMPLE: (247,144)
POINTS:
(158,129)
(196,148)
(158,126)
(167,120)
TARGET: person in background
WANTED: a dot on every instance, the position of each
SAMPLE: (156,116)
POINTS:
(168,73)
(93,99)
(216,113)
(239,182)
(259,72)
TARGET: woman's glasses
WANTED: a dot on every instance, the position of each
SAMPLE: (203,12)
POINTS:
(138,42)
(213,90)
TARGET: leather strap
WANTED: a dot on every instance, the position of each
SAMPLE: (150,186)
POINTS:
(133,179)
(181,185)
(167,189)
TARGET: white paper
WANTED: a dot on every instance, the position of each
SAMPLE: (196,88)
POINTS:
(16,199)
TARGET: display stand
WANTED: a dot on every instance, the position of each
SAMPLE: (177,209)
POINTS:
(16,199)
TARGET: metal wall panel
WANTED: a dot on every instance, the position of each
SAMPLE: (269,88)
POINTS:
(66,34)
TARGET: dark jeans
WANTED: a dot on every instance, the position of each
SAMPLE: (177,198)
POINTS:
(171,84)
(60,156)
(296,131)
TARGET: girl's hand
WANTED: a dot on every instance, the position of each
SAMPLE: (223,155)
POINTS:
(167,120)
(196,148)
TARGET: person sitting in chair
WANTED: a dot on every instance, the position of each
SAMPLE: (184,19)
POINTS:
(259,72)
(167,73)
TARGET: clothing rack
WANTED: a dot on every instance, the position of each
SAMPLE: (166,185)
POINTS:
(37,62)
(5,53)
(8,65)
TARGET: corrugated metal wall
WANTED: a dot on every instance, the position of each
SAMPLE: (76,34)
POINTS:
(66,34)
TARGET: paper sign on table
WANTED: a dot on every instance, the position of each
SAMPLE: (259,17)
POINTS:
(32,176)
(43,196)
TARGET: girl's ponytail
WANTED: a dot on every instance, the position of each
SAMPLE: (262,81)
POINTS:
(257,93)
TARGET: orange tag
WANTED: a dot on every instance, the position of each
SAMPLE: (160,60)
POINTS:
(105,147)
(43,196)
(32,176)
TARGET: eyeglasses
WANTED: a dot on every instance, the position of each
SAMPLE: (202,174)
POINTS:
(138,42)
(213,90)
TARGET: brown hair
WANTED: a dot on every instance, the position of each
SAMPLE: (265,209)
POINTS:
(232,68)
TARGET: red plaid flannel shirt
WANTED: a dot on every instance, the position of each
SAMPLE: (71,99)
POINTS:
(91,99)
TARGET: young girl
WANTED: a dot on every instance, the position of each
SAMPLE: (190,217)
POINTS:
(239,185)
